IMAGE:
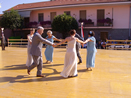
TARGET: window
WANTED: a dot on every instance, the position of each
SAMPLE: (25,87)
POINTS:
(40,17)
(52,15)
(82,14)
(67,12)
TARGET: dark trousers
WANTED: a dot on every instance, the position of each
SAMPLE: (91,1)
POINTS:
(78,54)
(3,46)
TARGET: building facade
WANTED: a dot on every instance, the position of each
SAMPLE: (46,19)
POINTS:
(110,19)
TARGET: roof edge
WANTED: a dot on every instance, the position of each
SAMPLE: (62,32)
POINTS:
(76,5)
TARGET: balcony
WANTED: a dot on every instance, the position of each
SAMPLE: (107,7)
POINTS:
(93,23)
(88,24)
(45,24)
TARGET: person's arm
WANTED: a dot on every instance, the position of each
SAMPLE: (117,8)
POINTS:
(29,39)
(57,39)
(87,40)
(78,36)
(62,42)
(79,41)
(41,39)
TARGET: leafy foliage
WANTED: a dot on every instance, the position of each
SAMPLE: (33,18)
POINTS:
(64,23)
(11,20)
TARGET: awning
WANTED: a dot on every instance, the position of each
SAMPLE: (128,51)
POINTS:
(25,13)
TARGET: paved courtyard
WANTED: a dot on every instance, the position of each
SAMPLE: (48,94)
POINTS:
(111,78)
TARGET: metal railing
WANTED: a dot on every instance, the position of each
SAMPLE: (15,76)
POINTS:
(97,23)
(24,43)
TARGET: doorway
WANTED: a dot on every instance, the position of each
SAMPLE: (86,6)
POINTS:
(52,16)
(26,21)
(103,36)
(100,17)
(83,14)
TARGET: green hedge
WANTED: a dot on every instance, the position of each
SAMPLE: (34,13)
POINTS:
(14,37)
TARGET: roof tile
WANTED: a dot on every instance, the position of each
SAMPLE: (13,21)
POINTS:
(57,3)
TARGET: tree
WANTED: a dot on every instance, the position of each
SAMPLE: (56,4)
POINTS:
(63,24)
(11,20)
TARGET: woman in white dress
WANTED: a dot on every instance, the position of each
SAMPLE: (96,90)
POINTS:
(70,64)
(29,57)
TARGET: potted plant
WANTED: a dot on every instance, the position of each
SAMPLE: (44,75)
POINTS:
(108,22)
(86,22)
(46,23)
(89,22)
(42,23)
(33,24)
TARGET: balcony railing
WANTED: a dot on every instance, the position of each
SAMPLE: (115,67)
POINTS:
(45,24)
(97,23)
(94,23)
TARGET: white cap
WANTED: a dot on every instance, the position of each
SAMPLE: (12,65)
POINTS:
(40,27)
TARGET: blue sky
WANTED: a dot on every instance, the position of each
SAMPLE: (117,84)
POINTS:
(6,4)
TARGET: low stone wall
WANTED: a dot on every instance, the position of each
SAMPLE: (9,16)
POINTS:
(116,34)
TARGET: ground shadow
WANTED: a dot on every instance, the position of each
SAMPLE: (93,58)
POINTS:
(82,70)
(23,66)
(15,67)
(27,78)
(50,65)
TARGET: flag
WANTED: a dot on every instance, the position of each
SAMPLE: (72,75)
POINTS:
(82,32)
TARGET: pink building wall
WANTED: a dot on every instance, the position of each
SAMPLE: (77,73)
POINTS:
(120,14)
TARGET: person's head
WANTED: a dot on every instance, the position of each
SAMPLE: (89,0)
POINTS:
(32,31)
(72,32)
(91,33)
(49,33)
(40,30)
